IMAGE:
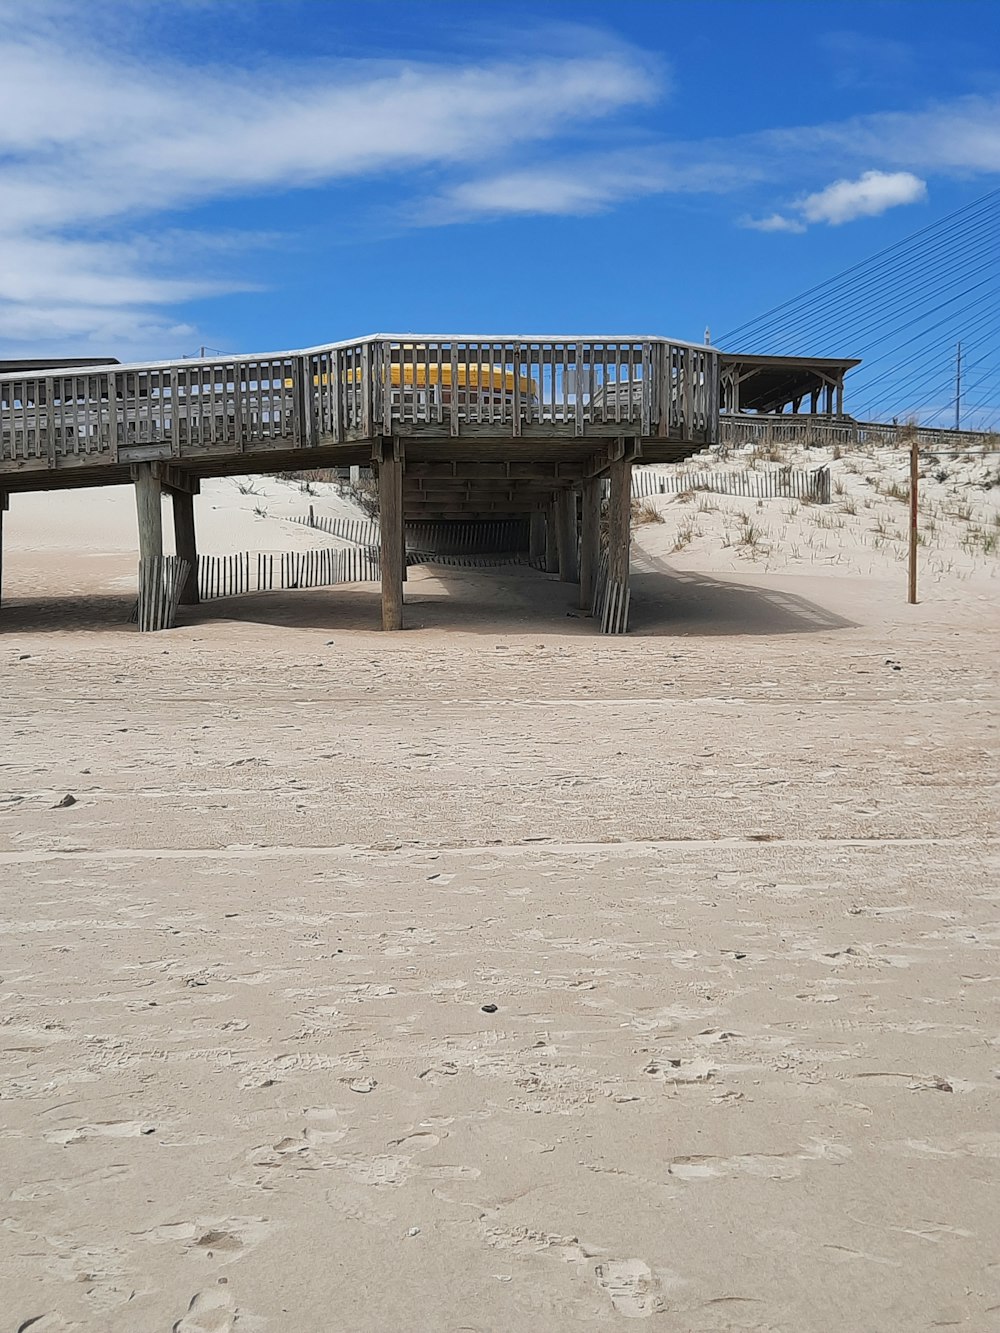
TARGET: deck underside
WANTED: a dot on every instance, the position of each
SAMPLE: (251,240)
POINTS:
(496,469)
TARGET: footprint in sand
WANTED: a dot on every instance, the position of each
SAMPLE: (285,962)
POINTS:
(104,1129)
(210,1311)
(769,1166)
(216,1236)
(633,1290)
(46,1323)
(777,1167)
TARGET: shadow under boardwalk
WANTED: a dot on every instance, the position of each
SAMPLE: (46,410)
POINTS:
(514,599)
(671,601)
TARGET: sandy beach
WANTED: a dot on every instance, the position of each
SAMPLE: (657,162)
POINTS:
(494,976)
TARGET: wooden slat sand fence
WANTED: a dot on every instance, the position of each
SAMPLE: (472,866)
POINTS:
(473,561)
(224,575)
(363,532)
(160,584)
(264,571)
(488,537)
(614,615)
(480,536)
(611,603)
(754,485)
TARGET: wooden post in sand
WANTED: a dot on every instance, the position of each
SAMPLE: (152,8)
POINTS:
(569,571)
(390,506)
(590,540)
(4,502)
(536,537)
(911,595)
(148,512)
(185,544)
(155,609)
(551,539)
(616,601)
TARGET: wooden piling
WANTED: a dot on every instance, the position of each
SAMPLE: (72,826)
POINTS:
(551,565)
(536,537)
(569,565)
(185,544)
(390,500)
(590,540)
(4,502)
(148,511)
(615,617)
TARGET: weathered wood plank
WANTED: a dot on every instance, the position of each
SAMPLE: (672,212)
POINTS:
(390,493)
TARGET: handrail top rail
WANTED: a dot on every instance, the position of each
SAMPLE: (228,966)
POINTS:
(65,371)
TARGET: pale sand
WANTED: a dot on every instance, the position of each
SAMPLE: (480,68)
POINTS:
(730,883)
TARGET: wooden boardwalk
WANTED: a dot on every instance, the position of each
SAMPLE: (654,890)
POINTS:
(456,428)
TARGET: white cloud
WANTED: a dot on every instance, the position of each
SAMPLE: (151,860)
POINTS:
(573,186)
(773,222)
(953,137)
(163,138)
(98,145)
(93,146)
(873,193)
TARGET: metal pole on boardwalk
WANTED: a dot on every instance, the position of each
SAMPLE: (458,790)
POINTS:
(914,482)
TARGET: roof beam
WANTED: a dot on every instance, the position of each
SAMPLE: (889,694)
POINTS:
(466,470)
(175,478)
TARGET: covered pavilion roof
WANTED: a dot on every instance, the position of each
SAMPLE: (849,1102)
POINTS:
(769,383)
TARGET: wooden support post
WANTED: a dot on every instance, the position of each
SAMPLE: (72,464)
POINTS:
(390,504)
(616,602)
(536,537)
(590,540)
(569,566)
(185,544)
(4,501)
(551,539)
(148,511)
(911,595)
(620,520)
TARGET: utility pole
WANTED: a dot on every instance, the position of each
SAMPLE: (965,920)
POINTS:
(958,386)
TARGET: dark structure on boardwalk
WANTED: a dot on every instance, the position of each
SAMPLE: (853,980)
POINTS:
(456,428)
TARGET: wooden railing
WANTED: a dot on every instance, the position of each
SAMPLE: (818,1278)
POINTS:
(354,391)
(736,431)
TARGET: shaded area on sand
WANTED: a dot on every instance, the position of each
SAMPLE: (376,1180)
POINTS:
(508,599)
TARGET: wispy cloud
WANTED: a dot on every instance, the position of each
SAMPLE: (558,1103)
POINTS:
(100,144)
(92,147)
(577,185)
(773,222)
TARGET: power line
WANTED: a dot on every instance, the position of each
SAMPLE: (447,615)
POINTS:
(976,208)
(880,312)
(949,382)
(902,310)
(923,354)
(872,296)
(967,411)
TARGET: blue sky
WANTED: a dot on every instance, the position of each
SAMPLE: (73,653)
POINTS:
(255,175)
